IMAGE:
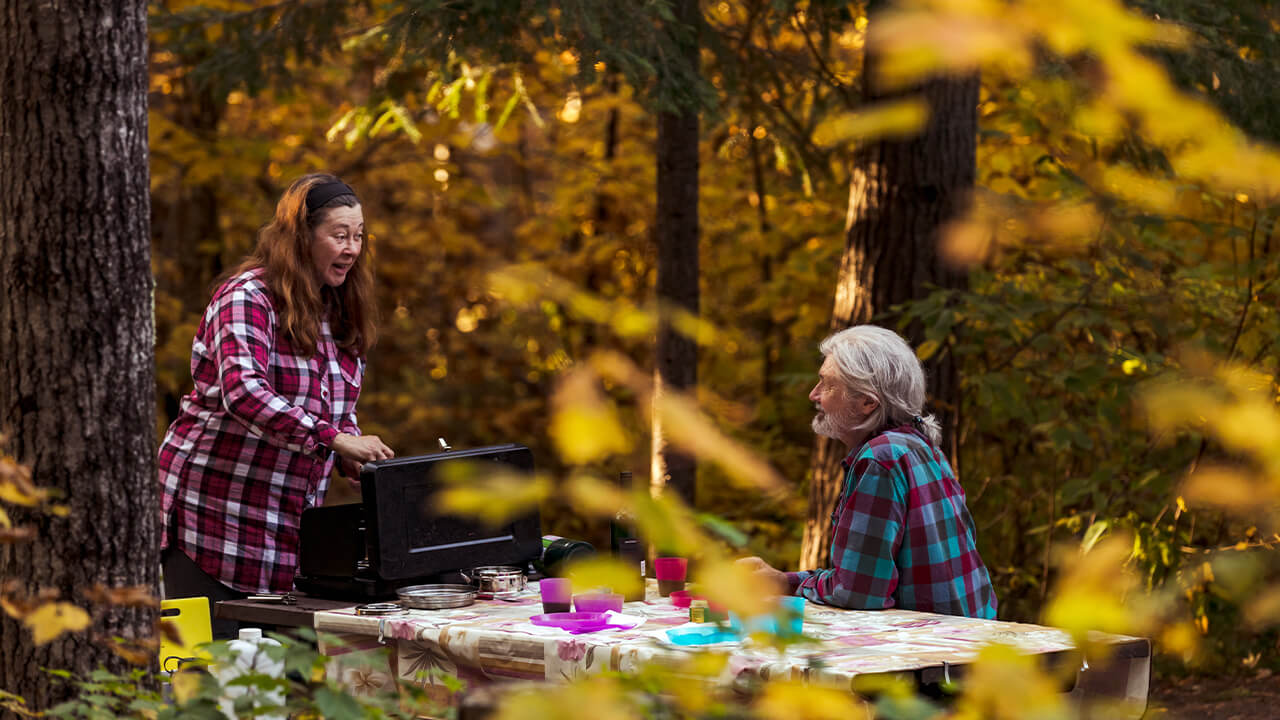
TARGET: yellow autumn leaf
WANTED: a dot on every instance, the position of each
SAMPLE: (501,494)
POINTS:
(494,497)
(1180,639)
(589,495)
(186,684)
(18,495)
(927,349)
(736,587)
(1004,684)
(594,698)
(891,119)
(52,619)
(604,572)
(584,425)
(1224,487)
(1092,591)
(803,701)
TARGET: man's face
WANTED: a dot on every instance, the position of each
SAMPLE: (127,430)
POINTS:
(835,414)
(839,411)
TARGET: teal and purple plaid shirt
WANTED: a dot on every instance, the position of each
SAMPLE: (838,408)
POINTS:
(901,535)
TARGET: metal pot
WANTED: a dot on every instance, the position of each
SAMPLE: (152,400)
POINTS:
(497,581)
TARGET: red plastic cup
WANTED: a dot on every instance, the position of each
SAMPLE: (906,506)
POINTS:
(556,593)
(670,572)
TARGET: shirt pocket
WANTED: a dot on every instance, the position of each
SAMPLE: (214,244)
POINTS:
(351,370)
(294,378)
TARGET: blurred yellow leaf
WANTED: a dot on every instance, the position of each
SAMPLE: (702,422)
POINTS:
(18,490)
(1091,593)
(1180,639)
(966,243)
(52,619)
(927,349)
(186,684)
(736,587)
(1224,487)
(604,572)
(593,698)
(802,701)
(492,496)
(667,523)
(4,520)
(891,119)
(1004,683)
(584,425)
(589,495)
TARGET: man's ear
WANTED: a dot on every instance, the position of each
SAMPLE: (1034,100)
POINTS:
(868,403)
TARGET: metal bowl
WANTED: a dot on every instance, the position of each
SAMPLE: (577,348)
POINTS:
(497,581)
(436,597)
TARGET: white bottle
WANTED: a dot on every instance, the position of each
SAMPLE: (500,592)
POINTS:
(249,655)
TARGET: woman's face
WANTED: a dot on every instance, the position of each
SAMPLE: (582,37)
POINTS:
(336,243)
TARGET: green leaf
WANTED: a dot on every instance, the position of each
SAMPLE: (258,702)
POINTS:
(1094,534)
(337,705)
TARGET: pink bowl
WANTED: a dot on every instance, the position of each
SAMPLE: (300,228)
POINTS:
(597,602)
(574,622)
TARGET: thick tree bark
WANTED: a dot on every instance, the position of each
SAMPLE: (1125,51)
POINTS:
(901,193)
(76,340)
(676,235)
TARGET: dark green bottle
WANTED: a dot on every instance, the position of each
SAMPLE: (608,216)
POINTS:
(558,551)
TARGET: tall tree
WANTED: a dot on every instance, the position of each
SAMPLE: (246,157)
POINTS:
(901,192)
(76,339)
(676,237)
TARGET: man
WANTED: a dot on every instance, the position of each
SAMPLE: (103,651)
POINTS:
(901,533)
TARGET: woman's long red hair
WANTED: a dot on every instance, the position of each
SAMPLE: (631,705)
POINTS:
(284,253)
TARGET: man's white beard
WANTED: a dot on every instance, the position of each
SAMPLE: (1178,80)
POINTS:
(828,425)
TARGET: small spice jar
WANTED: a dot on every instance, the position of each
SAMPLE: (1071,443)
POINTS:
(699,612)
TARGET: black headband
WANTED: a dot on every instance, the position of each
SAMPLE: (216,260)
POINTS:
(322,193)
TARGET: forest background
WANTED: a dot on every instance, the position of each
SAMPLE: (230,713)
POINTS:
(1114,335)
(468,169)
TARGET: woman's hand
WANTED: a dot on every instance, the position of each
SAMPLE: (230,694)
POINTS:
(361,448)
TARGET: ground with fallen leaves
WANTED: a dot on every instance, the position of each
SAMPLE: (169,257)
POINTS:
(1249,697)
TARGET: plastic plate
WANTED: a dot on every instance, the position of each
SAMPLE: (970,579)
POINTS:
(577,622)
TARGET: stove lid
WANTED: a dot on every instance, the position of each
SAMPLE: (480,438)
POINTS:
(409,537)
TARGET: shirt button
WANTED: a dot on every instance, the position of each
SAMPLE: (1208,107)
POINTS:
(324,392)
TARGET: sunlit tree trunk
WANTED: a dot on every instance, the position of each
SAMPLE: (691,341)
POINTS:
(901,193)
(76,340)
(676,234)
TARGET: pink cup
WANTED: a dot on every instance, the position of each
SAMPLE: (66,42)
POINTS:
(556,593)
(598,602)
(670,572)
(681,598)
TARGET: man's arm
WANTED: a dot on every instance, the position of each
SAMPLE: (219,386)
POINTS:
(865,541)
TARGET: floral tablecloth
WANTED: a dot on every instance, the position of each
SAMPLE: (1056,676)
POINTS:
(494,639)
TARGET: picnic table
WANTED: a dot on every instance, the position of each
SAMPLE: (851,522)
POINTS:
(494,640)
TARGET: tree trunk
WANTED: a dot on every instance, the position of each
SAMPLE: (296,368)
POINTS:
(901,193)
(676,235)
(77,382)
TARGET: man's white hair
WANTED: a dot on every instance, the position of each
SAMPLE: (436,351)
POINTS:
(874,361)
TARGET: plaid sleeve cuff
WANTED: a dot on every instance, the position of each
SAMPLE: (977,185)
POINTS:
(322,440)
(796,579)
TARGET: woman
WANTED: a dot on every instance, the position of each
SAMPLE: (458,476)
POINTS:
(277,363)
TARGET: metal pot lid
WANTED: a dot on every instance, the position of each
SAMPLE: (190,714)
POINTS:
(496,571)
(435,597)
(379,608)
